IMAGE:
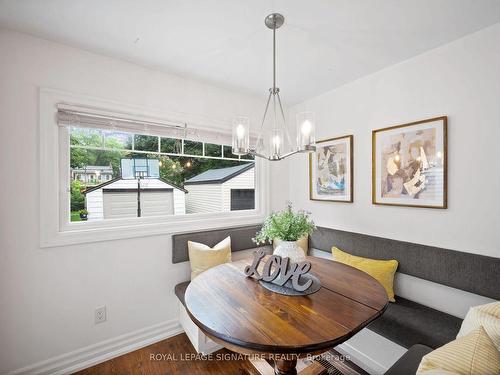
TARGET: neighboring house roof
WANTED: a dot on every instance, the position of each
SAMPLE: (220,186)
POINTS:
(218,176)
(174,185)
(100,186)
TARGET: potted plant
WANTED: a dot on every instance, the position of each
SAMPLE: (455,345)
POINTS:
(287,226)
(83,214)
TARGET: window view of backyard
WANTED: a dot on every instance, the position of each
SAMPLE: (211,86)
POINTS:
(121,175)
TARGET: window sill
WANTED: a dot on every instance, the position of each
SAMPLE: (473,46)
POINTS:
(168,226)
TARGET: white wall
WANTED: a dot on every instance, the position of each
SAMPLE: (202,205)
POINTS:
(48,295)
(460,80)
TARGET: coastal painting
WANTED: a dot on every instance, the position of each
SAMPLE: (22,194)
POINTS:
(331,170)
(409,166)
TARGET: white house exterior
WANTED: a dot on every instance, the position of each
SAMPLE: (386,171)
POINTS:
(92,174)
(223,189)
(118,199)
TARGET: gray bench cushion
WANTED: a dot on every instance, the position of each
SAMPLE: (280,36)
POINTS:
(408,323)
(408,363)
(470,272)
(180,291)
(241,239)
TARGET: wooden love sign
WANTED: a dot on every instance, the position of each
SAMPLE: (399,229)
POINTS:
(277,266)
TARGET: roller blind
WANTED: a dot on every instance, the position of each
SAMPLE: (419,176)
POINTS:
(85,117)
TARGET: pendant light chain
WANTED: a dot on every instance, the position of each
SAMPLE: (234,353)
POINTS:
(274,57)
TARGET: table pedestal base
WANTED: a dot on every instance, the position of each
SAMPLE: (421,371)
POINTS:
(283,367)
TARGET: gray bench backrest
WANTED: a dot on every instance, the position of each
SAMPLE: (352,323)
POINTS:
(241,239)
(470,272)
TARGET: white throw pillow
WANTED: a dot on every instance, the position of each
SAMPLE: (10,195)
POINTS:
(487,316)
(203,257)
(473,354)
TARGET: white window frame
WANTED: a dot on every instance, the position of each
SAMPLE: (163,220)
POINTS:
(54,176)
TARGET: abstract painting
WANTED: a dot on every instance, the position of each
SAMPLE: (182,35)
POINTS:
(331,170)
(409,166)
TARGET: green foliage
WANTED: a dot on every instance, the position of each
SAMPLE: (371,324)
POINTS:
(212,149)
(285,225)
(83,212)
(145,142)
(119,140)
(86,137)
(82,157)
(171,169)
(171,145)
(75,216)
(193,148)
(77,198)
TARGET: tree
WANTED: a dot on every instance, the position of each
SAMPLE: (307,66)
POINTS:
(171,170)
(83,157)
(77,198)
(86,137)
(145,142)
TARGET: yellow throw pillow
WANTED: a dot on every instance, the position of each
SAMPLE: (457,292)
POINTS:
(302,242)
(381,270)
(203,257)
(487,316)
(467,355)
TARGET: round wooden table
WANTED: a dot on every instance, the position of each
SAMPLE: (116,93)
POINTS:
(237,312)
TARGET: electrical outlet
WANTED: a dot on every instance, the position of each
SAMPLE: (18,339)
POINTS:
(100,315)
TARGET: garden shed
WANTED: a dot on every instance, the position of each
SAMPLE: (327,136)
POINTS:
(118,198)
(223,189)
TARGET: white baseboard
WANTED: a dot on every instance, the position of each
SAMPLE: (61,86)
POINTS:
(102,351)
(362,360)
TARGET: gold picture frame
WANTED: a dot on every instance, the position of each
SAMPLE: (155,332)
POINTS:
(410,164)
(325,185)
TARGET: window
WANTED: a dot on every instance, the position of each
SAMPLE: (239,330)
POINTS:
(75,138)
(242,199)
(171,145)
(193,148)
(213,150)
(116,175)
(145,143)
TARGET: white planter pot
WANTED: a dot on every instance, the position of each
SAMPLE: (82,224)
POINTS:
(290,249)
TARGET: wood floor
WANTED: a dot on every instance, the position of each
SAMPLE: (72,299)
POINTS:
(171,357)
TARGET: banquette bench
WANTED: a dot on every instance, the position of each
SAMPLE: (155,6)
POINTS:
(407,323)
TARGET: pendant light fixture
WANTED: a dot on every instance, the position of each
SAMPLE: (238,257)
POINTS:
(273,139)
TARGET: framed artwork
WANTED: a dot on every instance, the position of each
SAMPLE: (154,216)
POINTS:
(331,170)
(409,164)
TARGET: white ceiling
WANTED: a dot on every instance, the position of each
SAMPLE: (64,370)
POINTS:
(323,44)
